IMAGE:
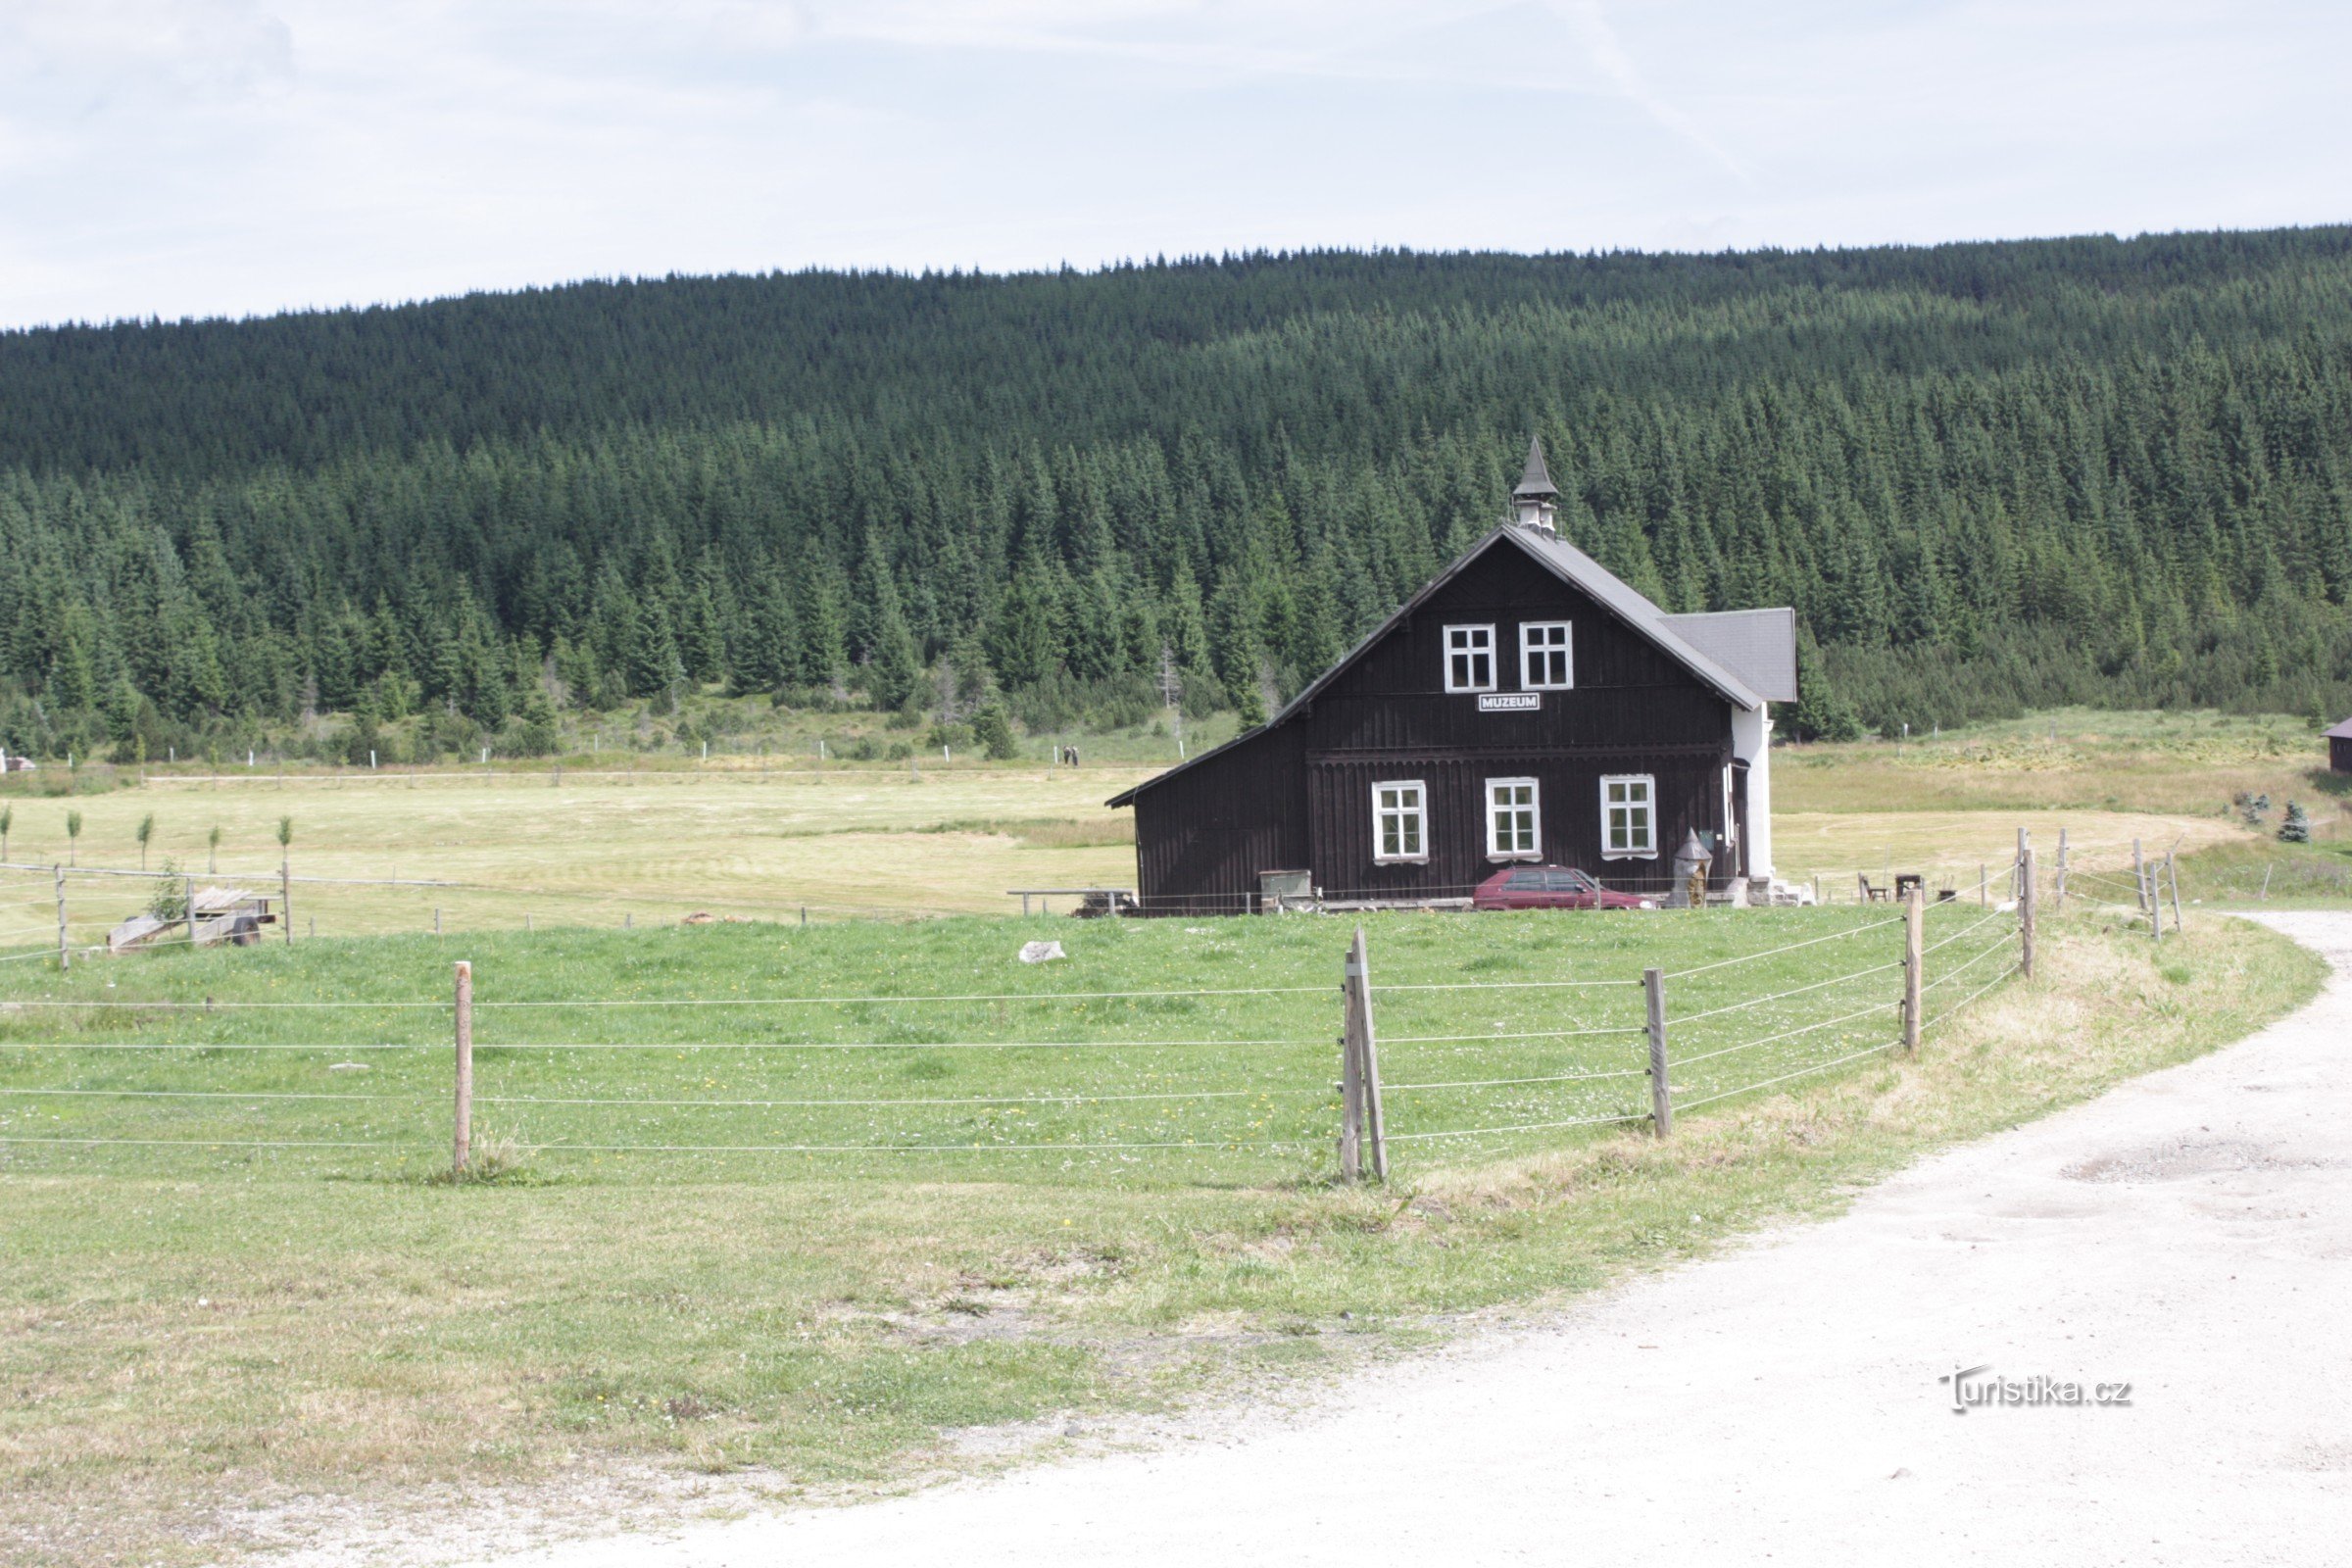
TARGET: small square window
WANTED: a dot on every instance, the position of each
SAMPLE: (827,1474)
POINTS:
(1629,816)
(1547,657)
(1469,659)
(1399,821)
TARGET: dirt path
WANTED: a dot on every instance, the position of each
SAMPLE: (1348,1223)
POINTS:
(2189,1234)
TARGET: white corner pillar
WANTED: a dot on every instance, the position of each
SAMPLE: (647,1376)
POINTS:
(1751,743)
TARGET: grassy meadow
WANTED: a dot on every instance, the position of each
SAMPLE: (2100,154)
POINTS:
(797,1206)
(597,845)
(213,1346)
(1163,1051)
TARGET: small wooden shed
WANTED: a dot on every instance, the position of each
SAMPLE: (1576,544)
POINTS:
(2340,747)
(221,914)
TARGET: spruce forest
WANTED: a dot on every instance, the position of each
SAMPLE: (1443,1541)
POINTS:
(1988,476)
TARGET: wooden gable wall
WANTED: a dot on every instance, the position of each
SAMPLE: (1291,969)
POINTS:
(1299,795)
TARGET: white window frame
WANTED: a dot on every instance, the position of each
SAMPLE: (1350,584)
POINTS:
(1417,813)
(1534,811)
(1649,816)
(1566,648)
(1487,652)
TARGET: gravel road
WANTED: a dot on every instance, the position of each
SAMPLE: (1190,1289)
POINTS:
(2189,1234)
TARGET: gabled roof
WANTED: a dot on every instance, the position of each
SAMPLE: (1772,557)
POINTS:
(2341,732)
(1572,566)
(1759,646)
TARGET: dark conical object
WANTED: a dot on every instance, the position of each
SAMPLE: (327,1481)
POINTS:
(1536,482)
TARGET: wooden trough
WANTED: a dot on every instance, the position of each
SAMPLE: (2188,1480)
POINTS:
(220,914)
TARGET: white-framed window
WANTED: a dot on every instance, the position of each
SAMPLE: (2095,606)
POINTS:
(1514,819)
(1629,816)
(1469,659)
(1547,659)
(1401,820)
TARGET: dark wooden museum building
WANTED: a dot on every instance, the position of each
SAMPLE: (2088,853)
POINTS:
(1526,706)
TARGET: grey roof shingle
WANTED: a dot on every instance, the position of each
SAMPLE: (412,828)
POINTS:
(1759,646)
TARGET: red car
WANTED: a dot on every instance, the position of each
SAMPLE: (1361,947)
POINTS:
(1550,887)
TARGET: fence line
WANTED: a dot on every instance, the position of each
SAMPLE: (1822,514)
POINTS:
(1978,922)
(1779,996)
(1119,1089)
(1501,1083)
(1199,1144)
(1770,953)
(1501,985)
(849,1000)
(1956,970)
(669,1045)
(1964,1001)
(1821,1066)
(1517,1127)
(204,1142)
(1532,1034)
(1788,1034)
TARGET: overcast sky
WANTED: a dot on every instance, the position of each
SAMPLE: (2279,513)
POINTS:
(230,157)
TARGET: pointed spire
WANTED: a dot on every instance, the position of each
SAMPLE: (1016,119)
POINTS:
(1536,482)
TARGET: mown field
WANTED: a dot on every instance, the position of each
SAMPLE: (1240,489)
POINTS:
(617,842)
(212,1344)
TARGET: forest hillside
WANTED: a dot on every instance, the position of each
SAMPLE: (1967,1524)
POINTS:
(1988,476)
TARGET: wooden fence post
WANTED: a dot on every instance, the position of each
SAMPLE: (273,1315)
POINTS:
(187,891)
(1661,1093)
(2139,874)
(2058,889)
(2171,872)
(2024,914)
(1352,1076)
(463,1143)
(436,919)
(1984,885)
(1367,1054)
(2017,873)
(64,954)
(1915,963)
(2149,903)
(285,899)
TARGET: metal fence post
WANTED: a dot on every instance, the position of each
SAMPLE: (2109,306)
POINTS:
(462,1145)
(1915,963)
(1661,1095)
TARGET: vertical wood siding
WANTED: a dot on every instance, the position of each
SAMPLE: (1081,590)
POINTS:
(1299,795)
